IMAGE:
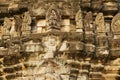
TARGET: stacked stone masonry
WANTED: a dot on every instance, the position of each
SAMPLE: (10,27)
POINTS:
(59,40)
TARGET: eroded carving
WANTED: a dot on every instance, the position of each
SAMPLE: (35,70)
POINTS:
(51,42)
(13,31)
(53,18)
(38,8)
(26,22)
(115,25)
(6,26)
(100,23)
(79,20)
(18,21)
(67,8)
(88,21)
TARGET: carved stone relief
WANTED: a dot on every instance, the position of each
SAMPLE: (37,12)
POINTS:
(67,8)
(115,25)
(6,26)
(9,27)
(1,31)
(38,8)
(41,26)
(18,21)
(100,23)
(88,21)
(53,18)
(13,31)
(50,43)
(58,55)
(26,22)
(79,20)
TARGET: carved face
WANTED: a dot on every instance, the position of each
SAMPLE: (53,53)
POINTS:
(52,41)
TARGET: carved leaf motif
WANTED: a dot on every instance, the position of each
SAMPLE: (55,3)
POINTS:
(116,23)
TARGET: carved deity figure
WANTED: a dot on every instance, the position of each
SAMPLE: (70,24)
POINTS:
(88,21)
(9,27)
(6,26)
(100,23)
(13,31)
(78,19)
(115,25)
(26,23)
(1,31)
(18,21)
(53,18)
(50,44)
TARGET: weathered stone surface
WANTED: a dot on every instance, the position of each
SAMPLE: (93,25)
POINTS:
(88,21)
(58,40)
(100,23)
(79,20)
(26,22)
(115,24)
(53,18)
